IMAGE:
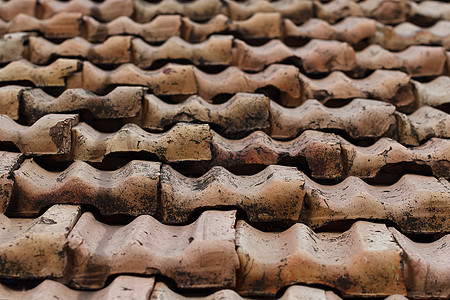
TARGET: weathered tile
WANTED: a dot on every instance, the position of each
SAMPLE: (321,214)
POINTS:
(9,161)
(385,11)
(36,248)
(50,134)
(13,46)
(259,26)
(183,142)
(199,255)
(10,9)
(197,32)
(131,190)
(363,261)
(433,93)
(334,11)
(10,98)
(429,10)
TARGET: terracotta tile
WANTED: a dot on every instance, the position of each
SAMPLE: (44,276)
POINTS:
(361,118)
(426,267)
(49,135)
(297,11)
(363,261)
(416,60)
(385,11)
(390,86)
(433,93)
(36,248)
(259,26)
(214,51)
(10,9)
(123,287)
(234,80)
(407,34)
(200,10)
(183,142)
(417,204)
(197,32)
(396,297)
(274,194)
(63,25)
(9,161)
(366,162)
(122,102)
(105,11)
(430,10)
(10,98)
(296,292)
(131,190)
(315,57)
(51,75)
(425,123)
(199,255)
(172,79)
(350,30)
(242,113)
(159,29)
(334,11)
(13,46)
(115,50)
(321,151)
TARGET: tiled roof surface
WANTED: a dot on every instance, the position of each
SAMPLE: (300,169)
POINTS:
(224,149)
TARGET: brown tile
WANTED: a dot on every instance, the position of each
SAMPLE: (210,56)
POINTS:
(433,93)
(351,29)
(159,29)
(233,80)
(122,102)
(426,267)
(415,60)
(115,50)
(417,204)
(390,86)
(407,34)
(259,26)
(50,134)
(429,10)
(197,32)
(183,142)
(172,79)
(274,194)
(200,10)
(10,9)
(385,11)
(315,57)
(334,11)
(363,261)
(10,98)
(320,151)
(105,11)
(366,162)
(123,287)
(361,118)
(216,50)
(199,255)
(63,25)
(51,75)
(297,11)
(131,190)
(9,161)
(36,248)
(13,46)
(242,113)
(423,124)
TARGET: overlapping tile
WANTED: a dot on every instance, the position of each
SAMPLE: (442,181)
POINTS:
(315,57)
(51,75)
(183,142)
(199,255)
(363,261)
(432,93)
(9,161)
(426,267)
(10,98)
(429,10)
(13,46)
(274,194)
(242,113)
(122,102)
(361,118)
(50,134)
(385,11)
(131,190)
(334,11)
(36,248)
(10,9)
(123,287)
